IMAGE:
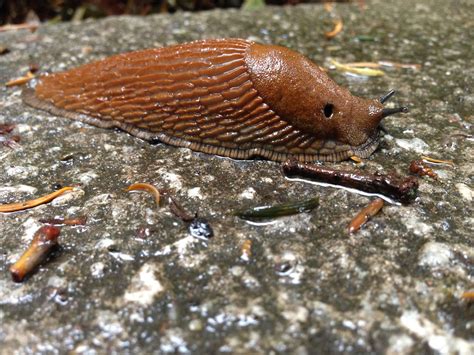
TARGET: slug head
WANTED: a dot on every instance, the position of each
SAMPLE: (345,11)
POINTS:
(306,97)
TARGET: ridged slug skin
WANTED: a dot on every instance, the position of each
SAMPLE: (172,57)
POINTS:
(229,97)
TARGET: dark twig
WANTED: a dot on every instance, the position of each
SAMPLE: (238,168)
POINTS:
(178,210)
(197,227)
(6,128)
(395,187)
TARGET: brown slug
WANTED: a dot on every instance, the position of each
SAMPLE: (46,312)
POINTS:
(229,97)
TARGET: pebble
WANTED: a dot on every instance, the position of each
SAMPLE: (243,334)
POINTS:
(465,191)
(435,255)
(414,144)
(144,286)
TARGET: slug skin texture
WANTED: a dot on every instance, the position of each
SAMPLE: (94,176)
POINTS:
(228,97)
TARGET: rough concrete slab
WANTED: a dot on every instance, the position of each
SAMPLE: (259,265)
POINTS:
(307,286)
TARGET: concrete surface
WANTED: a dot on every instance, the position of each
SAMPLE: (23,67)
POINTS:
(308,286)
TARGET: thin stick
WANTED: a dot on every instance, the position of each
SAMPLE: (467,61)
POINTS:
(13,207)
(22,26)
(365,214)
(437,161)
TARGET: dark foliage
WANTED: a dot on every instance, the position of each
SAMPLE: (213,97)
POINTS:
(20,11)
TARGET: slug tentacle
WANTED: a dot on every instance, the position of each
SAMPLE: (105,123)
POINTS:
(391,111)
(228,97)
(387,96)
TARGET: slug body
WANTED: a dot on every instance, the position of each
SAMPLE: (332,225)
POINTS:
(228,97)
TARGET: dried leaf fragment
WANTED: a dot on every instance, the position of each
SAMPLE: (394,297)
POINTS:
(20,81)
(338,25)
(357,70)
(146,187)
(246,250)
(284,209)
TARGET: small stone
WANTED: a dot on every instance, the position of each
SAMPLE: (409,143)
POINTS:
(144,286)
(465,191)
(195,193)
(200,228)
(98,270)
(248,194)
(435,255)
(414,144)
(195,325)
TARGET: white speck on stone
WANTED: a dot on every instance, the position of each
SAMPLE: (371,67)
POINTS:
(83,349)
(74,210)
(6,190)
(413,223)
(443,174)
(98,269)
(181,246)
(121,256)
(105,243)
(151,216)
(349,324)
(400,344)
(22,172)
(296,314)
(23,128)
(53,150)
(56,281)
(30,226)
(102,199)
(195,192)
(137,317)
(414,144)
(248,193)
(465,191)
(109,323)
(87,177)
(237,271)
(174,180)
(438,339)
(173,342)
(435,255)
(13,296)
(144,286)
(67,197)
(195,325)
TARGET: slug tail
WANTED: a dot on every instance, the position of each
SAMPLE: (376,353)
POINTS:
(29,97)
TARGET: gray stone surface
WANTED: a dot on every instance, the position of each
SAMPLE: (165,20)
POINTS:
(308,286)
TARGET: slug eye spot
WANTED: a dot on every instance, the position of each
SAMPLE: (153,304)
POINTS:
(328,110)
